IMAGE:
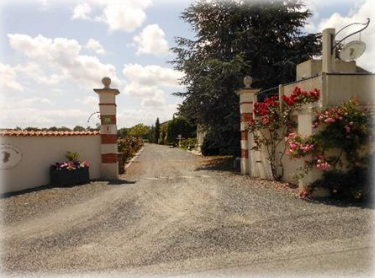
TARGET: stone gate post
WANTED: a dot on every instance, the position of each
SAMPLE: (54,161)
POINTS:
(108,130)
(247,99)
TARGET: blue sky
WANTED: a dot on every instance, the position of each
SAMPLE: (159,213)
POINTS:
(53,53)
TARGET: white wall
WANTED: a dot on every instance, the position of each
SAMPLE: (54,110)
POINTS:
(38,153)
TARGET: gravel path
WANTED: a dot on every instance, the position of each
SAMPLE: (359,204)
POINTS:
(173,214)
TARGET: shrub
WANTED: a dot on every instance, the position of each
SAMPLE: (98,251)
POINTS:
(209,146)
(72,156)
(192,142)
(339,149)
(127,148)
(273,122)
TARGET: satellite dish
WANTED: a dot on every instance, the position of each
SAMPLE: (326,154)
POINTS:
(352,50)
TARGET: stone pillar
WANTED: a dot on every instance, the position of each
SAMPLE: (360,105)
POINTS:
(108,130)
(328,56)
(247,99)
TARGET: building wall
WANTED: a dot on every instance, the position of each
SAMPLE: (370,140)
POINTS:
(39,152)
(343,87)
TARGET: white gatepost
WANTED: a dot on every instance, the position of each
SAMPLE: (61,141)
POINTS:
(247,99)
(108,130)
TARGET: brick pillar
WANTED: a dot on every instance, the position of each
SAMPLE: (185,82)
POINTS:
(247,99)
(108,130)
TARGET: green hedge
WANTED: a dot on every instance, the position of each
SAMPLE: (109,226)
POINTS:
(185,143)
(127,148)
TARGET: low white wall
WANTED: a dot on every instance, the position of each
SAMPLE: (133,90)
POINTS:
(39,152)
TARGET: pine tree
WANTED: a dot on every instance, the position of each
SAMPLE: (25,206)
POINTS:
(157,131)
(263,39)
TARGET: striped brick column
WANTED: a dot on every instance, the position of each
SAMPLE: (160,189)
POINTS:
(247,99)
(108,130)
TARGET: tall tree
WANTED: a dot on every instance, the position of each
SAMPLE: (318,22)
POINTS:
(234,39)
(157,131)
(79,128)
(179,126)
(139,130)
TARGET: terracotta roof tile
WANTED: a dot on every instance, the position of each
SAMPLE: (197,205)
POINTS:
(18,133)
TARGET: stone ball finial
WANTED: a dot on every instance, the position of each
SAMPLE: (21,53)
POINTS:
(247,81)
(106,82)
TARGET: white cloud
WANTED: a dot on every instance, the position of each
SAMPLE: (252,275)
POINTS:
(95,46)
(64,55)
(36,73)
(8,78)
(145,82)
(82,11)
(126,15)
(131,117)
(358,14)
(152,75)
(21,111)
(91,101)
(157,100)
(152,41)
(44,5)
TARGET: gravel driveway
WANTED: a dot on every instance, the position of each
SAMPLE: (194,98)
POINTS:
(173,214)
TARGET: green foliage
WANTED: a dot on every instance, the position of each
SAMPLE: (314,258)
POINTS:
(179,126)
(341,149)
(63,128)
(79,128)
(72,156)
(189,142)
(233,39)
(347,127)
(355,184)
(157,131)
(210,145)
(150,136)
(273,123)
(127,148)
(163,133)
(122,132)
(30,128)
(139,130)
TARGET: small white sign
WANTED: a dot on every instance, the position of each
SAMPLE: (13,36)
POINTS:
(10,156)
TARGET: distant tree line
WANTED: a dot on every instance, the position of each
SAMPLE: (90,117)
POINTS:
(161,133)
(53,128)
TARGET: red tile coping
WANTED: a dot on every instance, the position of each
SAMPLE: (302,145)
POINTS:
(18,133)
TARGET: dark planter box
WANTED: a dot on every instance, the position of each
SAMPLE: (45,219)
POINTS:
(70,177)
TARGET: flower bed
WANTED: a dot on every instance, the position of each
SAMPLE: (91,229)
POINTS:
(70,172)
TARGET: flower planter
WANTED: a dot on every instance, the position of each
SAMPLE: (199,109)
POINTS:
(65,177)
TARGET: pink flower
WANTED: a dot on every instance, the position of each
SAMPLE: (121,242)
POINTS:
(329,120)
(325,166)
(347,129)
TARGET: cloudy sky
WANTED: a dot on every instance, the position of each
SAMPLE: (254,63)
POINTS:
(53,53)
